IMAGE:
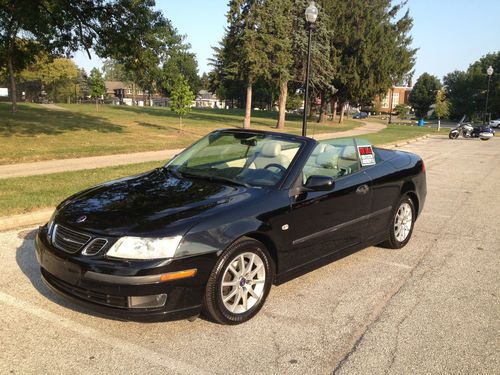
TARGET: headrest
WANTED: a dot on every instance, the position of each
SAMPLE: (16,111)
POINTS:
(270,149)
(322,147)
(327,160)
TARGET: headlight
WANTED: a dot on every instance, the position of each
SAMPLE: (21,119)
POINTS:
(144,248)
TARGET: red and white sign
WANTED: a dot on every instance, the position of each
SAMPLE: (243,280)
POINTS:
(366,155)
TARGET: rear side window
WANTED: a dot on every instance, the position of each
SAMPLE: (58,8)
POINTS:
(333,158)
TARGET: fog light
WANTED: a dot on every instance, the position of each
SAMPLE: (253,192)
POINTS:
(144,302)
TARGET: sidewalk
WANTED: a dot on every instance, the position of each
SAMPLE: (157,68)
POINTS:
(76,164)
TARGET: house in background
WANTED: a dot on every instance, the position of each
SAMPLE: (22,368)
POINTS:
(122,92)
(206,99)
(394,96)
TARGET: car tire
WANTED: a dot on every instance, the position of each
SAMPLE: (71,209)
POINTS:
(239,283)
(401,224)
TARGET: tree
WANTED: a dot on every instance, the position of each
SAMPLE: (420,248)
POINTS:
(466,90)
(442,107)
(179,63)
(114,71)
(403,111)
(423,94)
(371,48)
(181,99)
(97,87)
(131,32)
(245,55)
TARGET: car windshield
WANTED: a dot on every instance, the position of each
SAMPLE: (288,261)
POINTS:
(240,158)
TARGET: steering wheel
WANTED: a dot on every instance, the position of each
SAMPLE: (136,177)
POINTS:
(276,165)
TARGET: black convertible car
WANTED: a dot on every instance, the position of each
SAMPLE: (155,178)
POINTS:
(213,229)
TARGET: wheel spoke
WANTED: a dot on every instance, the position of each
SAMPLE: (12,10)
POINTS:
(230,295)
(231,268)
(245,299)
(255,271)
(236,301)
(252,293)
(230,283)
(242,264)
(258,281)
(250,264)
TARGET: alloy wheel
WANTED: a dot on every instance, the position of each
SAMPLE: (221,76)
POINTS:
(243,282)
(403,222)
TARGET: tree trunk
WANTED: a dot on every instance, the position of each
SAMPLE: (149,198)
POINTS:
(334,109)
(13,89)
(342,108)
(248,107)
(97,104)
(180,124)
(133,94)
(282,105)
(323,109)
(439,123)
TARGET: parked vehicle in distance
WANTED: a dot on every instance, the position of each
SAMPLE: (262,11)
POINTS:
(213,229)
(495,123)
(360,115)
(468,130)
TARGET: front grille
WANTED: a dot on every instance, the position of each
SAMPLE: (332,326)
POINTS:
(85,294)
(94,246)
(69,240)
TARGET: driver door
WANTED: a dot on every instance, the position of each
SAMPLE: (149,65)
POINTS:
(323,222)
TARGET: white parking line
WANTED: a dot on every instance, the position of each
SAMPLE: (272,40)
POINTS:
(131,349)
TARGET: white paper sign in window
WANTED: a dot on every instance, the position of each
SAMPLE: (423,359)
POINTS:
(366,155)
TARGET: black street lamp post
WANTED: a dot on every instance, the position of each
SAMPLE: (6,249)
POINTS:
(311,15)
(489,71)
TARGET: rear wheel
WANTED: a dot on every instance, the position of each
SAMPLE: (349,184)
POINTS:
(239,283)
(401,225)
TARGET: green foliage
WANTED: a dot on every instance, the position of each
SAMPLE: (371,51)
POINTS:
(294,101)
(466,90)
(96,84)
(371,47)
(181,99)
(114,71)
(442,108)
(180,63)
(403,111)
(57,77)
(423,94)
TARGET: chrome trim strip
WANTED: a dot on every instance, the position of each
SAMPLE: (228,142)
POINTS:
(340,226)
(84,251)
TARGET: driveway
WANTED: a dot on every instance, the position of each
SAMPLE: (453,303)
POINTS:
(432,307)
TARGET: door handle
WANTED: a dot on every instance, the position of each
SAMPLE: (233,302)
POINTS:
(362,189)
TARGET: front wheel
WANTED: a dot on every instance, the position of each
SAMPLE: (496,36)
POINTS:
(239,283)
(402,222)
(453,134)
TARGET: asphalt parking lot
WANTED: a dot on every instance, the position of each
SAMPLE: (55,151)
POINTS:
(432,307)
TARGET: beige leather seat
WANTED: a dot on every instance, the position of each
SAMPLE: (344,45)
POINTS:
(270,153)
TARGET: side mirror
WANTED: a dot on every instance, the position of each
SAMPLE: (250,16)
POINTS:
(319,183)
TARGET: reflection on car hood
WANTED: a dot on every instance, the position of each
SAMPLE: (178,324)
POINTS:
(152,204)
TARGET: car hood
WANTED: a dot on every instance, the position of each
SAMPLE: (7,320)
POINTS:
(156,203)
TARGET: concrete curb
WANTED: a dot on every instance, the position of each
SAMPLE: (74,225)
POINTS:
(24,220)
(42,216)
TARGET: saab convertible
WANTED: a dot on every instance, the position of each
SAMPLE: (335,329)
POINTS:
(236,212)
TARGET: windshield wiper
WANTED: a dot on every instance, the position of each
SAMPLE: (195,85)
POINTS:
(213,178)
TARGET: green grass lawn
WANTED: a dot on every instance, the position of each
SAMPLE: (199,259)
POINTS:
(24,194)
(394,133)
(38,133)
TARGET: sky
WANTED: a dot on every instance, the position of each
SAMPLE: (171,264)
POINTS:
(449,34)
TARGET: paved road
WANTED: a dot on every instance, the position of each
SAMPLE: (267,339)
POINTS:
(76,164)
(432,307)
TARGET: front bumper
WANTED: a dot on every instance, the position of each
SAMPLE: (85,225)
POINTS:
(106,286)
